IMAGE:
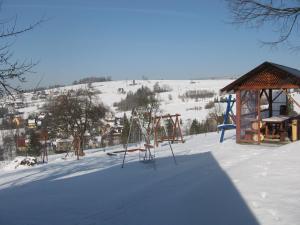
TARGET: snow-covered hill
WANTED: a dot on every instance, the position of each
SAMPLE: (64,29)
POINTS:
(170,101)
(212,184)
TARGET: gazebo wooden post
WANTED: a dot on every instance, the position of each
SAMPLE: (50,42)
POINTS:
(270,100)
(286,99)
(238,116)
(258,115)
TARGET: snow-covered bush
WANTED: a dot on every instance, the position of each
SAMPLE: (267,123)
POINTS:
(22,161)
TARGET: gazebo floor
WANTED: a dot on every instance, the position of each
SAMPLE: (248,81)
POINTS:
(276,141)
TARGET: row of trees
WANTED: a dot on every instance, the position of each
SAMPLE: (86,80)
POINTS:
(205,126)
(143,97)
(88,80)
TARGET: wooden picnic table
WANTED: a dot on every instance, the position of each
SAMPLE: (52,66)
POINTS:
(278,127)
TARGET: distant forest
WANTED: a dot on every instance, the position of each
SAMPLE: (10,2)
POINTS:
(85,80)
(88,80)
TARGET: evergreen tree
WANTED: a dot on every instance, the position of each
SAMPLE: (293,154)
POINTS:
(195,127)
(34,147)
(169,127)
(125,130)
(135,134)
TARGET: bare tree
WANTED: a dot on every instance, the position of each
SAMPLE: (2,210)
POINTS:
(279,14)
(11,69)
(74,114)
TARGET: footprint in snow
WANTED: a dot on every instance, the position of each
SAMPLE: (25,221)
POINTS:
(264,174)
(255,204)
(228,164)
(274,214)
(263,195)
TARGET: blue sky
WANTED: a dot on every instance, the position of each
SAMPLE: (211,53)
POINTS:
(159,39)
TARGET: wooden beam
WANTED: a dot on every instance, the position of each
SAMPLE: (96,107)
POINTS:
(167,116)
(266,94)
(261,93)
(291,98)
(258,115)
(238,116)
(277,96)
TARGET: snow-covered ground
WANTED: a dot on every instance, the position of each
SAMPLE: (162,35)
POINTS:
(212,184)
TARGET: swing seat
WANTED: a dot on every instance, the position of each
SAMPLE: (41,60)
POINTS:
(148,146)
(119,151)
(136,149)
(226,126)
(111,154)
(171,140)
(129,150)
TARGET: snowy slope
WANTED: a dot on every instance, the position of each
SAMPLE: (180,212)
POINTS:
(212,183)
(109,95)
(179,87)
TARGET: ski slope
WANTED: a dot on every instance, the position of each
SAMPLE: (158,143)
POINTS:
(211,184)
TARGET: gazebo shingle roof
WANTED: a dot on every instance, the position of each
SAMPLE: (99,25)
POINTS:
(282,73)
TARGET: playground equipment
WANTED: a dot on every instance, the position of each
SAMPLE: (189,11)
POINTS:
(174,135)
(144,133)
(44,137)
(228,115)
(153,126)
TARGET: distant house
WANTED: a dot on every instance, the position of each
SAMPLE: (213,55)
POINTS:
(63,145)
(41,115)
(42,96)
(31,123)
(121,91)
(19,104)
(21,143)
(111,133)
(34,97)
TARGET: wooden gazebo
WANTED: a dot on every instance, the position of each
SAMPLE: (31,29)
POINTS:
(263,101)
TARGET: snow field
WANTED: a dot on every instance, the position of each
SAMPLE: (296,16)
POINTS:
(212,183)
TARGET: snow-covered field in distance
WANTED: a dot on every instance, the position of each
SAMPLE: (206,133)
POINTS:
(176,105)
(109,95)
(212,184)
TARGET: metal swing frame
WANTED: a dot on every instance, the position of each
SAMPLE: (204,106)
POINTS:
(148,154)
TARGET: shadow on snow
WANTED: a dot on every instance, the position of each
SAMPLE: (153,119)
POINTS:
(196,191)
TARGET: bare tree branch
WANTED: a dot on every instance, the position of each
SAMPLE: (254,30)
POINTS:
(11,69)
(282,15)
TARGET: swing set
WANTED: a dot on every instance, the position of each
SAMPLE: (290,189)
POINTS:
(149,126)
